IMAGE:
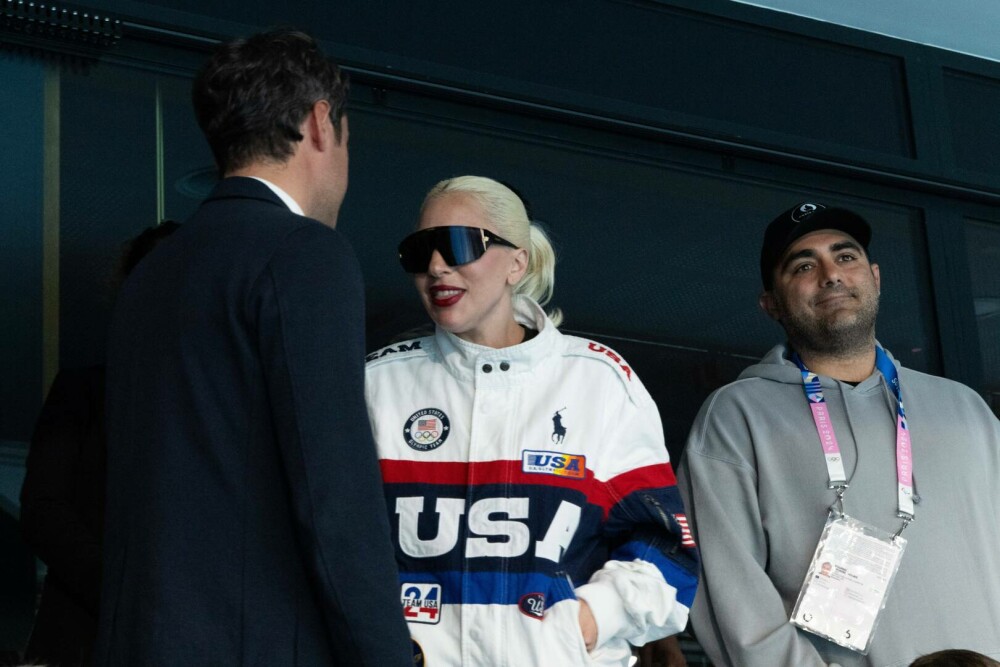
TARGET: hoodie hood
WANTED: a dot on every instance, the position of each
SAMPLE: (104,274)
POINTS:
(778,367)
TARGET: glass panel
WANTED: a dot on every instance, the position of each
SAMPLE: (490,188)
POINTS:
(974,134)
(110,159)
(78,188)
(81,156)
(21,172)
(983,242)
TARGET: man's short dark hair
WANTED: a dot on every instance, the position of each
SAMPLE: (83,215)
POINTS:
(252,95)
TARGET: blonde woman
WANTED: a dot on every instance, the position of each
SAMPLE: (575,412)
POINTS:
(530,494)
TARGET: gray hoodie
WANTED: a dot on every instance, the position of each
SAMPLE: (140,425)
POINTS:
(754,481)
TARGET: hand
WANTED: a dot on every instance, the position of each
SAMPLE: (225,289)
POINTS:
(588,626)
(664,652)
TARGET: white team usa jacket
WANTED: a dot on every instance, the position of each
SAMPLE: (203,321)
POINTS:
(519,481)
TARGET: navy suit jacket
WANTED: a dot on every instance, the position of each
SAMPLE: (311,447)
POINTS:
(245,523)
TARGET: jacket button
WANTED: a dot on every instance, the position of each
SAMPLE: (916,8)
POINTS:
(487,368)
(504,366)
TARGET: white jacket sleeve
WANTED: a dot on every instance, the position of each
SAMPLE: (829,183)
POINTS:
(644,592)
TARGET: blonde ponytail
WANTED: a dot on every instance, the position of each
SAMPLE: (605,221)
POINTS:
(539,280)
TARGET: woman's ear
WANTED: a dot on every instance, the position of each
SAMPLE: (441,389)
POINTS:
(518,266)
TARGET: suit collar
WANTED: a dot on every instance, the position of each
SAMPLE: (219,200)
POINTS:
(292,205)
(241,187)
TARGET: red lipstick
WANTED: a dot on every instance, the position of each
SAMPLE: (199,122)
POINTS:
(443,296)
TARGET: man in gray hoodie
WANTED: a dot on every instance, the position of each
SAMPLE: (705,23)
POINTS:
(759,474)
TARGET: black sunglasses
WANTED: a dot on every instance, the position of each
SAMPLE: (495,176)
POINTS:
(457,245)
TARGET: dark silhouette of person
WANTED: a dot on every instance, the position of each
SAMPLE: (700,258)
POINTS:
(63,497)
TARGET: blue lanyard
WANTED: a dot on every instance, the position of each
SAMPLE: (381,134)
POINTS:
(831,450)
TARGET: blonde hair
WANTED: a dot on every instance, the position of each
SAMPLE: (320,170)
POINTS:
(507,214)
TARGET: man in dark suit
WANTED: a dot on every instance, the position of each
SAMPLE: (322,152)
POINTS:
(245,520)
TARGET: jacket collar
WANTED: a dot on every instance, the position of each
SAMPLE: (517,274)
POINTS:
(468,361)
(286,198)
(242,187)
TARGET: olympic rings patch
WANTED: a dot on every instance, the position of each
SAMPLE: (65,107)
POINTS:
(426,429)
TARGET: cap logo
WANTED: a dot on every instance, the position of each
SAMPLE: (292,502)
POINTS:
(804,211)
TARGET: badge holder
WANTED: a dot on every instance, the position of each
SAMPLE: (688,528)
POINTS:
(848,581)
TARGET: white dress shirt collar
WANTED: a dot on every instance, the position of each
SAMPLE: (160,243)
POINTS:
(282,195)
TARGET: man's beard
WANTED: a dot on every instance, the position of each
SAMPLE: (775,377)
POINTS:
(837,334)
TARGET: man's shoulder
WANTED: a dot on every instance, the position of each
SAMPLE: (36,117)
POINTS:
(270,216)
(940,392)
(742,392)
(740,416)
(928,382)
(249,213)
(249,239)
(247,201)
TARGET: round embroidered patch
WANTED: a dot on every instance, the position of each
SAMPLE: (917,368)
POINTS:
(426,429)
(533,605)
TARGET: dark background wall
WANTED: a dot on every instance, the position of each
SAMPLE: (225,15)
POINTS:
(654,138)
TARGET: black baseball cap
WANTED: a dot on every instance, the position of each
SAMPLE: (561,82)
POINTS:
(800,220)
